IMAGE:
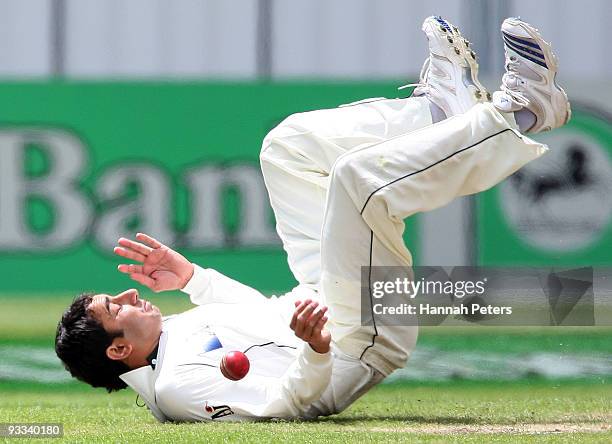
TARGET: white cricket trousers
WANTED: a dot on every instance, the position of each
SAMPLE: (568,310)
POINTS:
(341,181)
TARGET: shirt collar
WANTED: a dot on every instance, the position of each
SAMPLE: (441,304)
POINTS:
(142,380)
(152,358)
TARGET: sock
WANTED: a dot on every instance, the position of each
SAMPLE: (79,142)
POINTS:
(525,119)
(437,113)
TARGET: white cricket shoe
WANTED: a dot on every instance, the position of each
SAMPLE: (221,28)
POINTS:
(449,77)
(529,81)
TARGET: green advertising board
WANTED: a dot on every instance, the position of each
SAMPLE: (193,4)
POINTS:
(558,209)
(84,163)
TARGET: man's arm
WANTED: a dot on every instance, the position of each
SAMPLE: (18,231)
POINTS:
(198,392)
(208,286)
(194,390)
(160,268)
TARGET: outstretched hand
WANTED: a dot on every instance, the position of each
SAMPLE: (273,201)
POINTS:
(308,323)
(160,268)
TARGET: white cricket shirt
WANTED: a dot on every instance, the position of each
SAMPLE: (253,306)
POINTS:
(286,376)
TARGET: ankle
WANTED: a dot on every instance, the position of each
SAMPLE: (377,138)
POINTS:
(437,113)
(525,119)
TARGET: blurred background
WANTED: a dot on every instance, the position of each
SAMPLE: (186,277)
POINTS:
(147,115)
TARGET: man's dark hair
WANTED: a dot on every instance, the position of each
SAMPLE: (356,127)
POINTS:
(81,342)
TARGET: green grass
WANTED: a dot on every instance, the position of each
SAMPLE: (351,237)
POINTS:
(532,409)
(461,412)
(33,318)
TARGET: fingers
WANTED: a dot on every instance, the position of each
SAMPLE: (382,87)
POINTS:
(302,319)
(320,325)
(134,246)
(311,324)
(299,306)
(153,243)
(307,321)
(137,251)
(318,328)
(130,268)
(129,254)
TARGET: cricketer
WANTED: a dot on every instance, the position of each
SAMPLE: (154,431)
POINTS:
(341,182)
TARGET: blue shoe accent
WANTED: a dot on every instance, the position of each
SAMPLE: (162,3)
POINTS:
(521,52)
(443,23)
(522,41)
(523,49)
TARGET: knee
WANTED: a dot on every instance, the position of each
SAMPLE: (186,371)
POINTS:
(275,137)
(268,142)
(269,149)
(345,168)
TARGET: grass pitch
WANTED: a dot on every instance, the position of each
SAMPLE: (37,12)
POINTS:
(463,411)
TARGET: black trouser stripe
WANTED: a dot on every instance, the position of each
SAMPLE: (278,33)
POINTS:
(432,165)
(370,296)
(372,233)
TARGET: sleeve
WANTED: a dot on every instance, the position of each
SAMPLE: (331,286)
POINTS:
(208,286)
(200,392)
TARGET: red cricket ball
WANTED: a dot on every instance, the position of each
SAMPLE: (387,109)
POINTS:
(234,365)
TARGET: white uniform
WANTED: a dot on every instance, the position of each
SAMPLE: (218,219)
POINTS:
(341,181)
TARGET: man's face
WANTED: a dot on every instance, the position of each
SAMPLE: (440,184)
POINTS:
(139,320)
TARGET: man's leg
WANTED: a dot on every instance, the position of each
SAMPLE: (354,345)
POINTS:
(374,188)
(297,158)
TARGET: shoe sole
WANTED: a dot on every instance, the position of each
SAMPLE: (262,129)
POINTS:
(471,58)
(550,57)
(458,52)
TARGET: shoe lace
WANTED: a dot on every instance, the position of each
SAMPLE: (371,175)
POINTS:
(421,86)
(512,81)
